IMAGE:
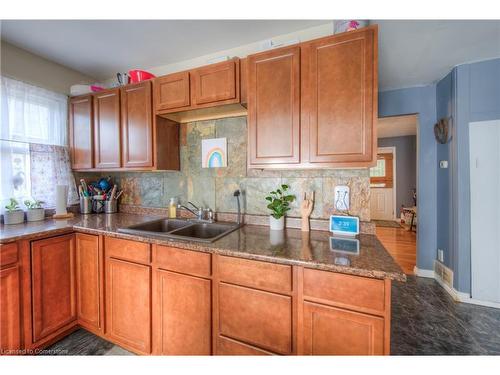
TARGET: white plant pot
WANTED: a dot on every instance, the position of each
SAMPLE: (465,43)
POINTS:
(277,224)
(13,217)
(35,214)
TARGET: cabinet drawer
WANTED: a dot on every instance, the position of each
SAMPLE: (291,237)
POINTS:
(226,346)
(184,261)
(345,290)
(261,275)
(8,254)
(256,317)
(127,250)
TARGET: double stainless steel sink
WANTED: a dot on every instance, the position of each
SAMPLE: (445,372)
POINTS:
(182,229)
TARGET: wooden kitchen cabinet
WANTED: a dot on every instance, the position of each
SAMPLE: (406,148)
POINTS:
(81,132)
(172,92)
(10,306)
(341,89)
(334,331)
(216,83)
(53,285)
(128,304)
(274,107)
(89,281)
(137,125)
(314,105)
(183,314)
(107,139)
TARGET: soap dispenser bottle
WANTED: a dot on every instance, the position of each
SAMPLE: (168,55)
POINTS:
(172,208)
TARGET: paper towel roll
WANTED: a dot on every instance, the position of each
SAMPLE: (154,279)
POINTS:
(61,199)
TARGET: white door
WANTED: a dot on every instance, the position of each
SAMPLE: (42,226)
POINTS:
(485,209)
(381,204)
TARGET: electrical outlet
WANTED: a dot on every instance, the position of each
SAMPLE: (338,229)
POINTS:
(441,255)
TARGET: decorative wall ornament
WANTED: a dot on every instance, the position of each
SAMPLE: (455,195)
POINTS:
(442,130)
(214,153)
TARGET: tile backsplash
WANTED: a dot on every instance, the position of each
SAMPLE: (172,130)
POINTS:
(214,187)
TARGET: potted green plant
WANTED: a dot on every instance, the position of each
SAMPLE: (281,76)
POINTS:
(279,204)
(35,212)
(13,214)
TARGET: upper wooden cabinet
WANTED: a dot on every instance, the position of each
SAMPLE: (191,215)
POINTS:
(215,83)
(208,86)
(53,285)
(117,130)
(331,122)
(172,92)
(81,132)
(107,129)
(137,125)
(342,89)
(274,107)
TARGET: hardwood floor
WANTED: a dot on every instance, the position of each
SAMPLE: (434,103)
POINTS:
(401,244)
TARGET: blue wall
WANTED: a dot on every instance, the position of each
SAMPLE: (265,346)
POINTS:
(406,168)
(477,98)
(421,101)
(470,92)
(445,106)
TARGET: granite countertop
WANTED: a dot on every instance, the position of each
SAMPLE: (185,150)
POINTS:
(291,247)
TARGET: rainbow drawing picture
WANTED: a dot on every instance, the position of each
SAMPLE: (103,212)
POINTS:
(214,153)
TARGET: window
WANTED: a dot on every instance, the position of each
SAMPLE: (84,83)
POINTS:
(33,143)
(382,174)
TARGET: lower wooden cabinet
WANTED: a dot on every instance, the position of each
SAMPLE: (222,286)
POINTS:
(255,317)
(53,285)
(183,314)
(10,318)
(89,274)
(128,304)
(334,331)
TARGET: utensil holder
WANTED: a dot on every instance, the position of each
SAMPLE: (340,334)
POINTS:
(98,205)
(111,206)
(85,205)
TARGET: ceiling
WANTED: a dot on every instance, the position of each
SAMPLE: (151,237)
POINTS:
(411,53)
(397,126)
(100,48)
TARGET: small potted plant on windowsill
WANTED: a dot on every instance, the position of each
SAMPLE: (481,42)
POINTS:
(279,204)
(35,212)
(13,215)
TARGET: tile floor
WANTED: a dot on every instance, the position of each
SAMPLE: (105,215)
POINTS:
(425,321)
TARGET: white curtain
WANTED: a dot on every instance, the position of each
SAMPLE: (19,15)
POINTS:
(31,115)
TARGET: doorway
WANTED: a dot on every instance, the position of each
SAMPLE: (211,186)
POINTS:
(393,183)
(485,209)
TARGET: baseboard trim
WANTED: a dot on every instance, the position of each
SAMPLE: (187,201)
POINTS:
(424,273)
(455,294)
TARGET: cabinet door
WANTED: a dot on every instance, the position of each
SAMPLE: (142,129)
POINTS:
(137,125)
(88,280)
(182,315)
(172,92)
(274,106)
(10,319)
(128,304)
(342,91)
(53,284)
(255,317)
(81,125)
(107,129)
(334,331)
(215,83)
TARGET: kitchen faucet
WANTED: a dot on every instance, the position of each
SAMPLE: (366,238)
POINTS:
(202,214)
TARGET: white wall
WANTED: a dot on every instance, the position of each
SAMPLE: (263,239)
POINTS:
(241,51)
(27,67)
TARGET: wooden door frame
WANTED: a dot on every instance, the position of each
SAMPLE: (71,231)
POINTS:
(391,150)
